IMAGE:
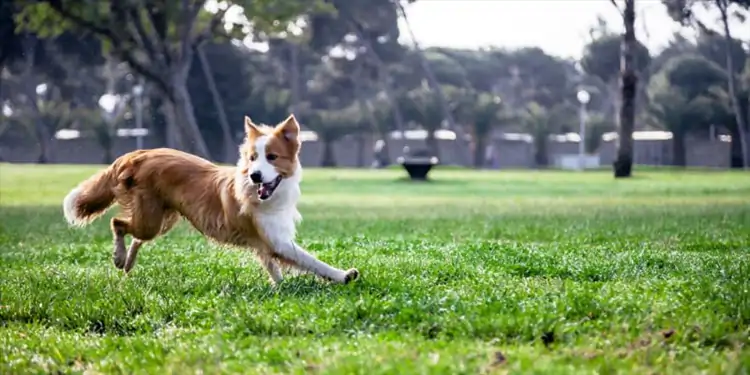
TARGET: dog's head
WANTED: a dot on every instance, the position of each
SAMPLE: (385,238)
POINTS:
(270,154)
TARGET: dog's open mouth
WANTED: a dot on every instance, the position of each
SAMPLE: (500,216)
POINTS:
(266,189)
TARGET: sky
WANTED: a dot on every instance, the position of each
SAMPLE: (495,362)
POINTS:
(560,27)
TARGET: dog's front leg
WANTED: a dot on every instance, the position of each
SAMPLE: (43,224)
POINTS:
(272,268)
(295,254)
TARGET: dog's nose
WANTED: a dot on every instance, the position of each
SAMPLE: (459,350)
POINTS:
(256,177)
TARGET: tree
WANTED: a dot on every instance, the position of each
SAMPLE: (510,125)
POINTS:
(229,145)
(623,163)
(682,12)
(678,45)
(331,125)
(482,112)
(362,40)
(541,122)
(423,107)
(531,75)
(220,84)
(680,98)
(723,114)
(434,84)
(713,46)
(158,39)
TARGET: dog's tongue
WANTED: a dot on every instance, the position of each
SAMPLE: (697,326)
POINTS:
(262,191)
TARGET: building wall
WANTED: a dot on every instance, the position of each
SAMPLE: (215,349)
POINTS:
(351,152)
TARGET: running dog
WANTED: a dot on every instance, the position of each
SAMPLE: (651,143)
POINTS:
(250,205)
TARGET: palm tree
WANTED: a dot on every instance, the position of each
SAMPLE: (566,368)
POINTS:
(680,115)
(482,112)
(331,125)
(423,107)
(542,122)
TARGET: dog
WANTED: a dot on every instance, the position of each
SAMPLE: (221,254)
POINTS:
(252,205)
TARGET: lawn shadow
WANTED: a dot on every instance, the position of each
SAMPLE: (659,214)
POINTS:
(430,181)
(303,286)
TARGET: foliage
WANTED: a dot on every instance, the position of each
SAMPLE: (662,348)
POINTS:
(712,46)
(481,112)
(681,100)
(333,56)
(681,93)
(683,11)
(693,74)
(601,57)
(541,122)
(678,112)
(332,124)
(422,107)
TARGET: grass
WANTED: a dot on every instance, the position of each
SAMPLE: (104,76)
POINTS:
(475,272)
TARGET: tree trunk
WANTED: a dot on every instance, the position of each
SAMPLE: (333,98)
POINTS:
(735,148)
(480,146)
(385,85)
(623,163)
(328,159)
(540,151)
(230,149)
(43,157)
(383,80)
(294,77)
(360,150)
(172,133)
(157,120)
(377,129)
(41,133)
(679,151)
(723,6)
(185,115)
(107,159)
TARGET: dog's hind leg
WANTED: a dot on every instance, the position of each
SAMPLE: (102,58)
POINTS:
(292,253)
(147,220)
(169,219)
(119,230)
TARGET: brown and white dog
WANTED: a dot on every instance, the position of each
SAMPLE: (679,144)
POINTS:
(252,205)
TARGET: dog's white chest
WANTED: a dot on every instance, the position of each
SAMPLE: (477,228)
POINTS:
(278,227)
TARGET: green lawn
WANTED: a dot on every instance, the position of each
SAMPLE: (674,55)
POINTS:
(555,272)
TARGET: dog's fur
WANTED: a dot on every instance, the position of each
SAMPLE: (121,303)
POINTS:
(154,188)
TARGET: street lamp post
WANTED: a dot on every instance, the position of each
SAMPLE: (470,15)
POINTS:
(583,98)
(138,93)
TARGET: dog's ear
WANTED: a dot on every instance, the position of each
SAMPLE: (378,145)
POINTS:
(288,129)
(251,130)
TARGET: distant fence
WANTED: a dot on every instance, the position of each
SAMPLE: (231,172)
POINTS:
(505,151)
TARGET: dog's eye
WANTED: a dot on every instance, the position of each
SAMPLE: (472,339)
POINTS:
(253,157)
(271,157)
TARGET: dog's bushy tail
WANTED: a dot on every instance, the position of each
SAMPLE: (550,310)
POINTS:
(91,198)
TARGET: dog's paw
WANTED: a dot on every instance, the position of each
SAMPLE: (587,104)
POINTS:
(119,261)
(351,275)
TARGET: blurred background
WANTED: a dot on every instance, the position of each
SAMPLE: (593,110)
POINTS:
(488,84)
